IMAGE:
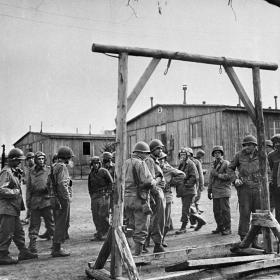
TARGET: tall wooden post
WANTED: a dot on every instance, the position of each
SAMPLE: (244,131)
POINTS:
(265,204)
(116,265)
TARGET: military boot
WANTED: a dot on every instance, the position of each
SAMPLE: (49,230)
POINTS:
(182,229)
(138,249)
(25,254)
(158,248)
(200,222)
(32,245)
(57,251)
(5,259)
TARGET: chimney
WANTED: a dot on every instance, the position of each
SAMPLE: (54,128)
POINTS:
(77,130)
(239,102)
(184,87)
(275,97)
(41,130)
(203,102)
(29,128)
(152,102)
(90,129)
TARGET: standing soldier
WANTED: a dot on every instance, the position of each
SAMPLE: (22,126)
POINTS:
(61,186)
(38,200)
(138,182)
(99,186)
(157,222)
(11,203)
(187,189)
(274,159)
(247,183)
(219,190)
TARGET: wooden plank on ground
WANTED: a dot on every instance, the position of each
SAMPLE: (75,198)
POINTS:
(98,274)
(215,262)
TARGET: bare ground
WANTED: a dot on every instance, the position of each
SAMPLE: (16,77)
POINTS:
(83,250)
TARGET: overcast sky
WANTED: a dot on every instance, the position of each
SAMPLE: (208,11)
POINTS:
(48,72)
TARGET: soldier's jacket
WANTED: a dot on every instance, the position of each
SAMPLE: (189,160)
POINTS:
(172,176)
(62,180)
(99,181)
(200,178)
(11,202)
(37,185)
(189,185)
(274,159)
(219,179)
(146,180)
(247,167)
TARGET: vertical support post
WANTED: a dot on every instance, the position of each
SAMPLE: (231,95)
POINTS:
(265,204)
(121,135)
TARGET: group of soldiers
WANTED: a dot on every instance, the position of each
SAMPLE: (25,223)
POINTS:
(149,179)
(48,195)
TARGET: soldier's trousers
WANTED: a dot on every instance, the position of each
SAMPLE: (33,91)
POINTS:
(221,209)
(276,200)
(10,230)
(157,222)
(137,220)
(186,204)
(35,221)
(60,221)
(249,202)
(100,205)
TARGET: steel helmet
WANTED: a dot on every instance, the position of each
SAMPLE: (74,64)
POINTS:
(95,159)
(141,147)
(217,148)
(29,155)
(249,139)
(275,138)
(268,143)
(200,152)
(162,155)
(154,144)
(15,154)
(40,154)
(107,156)
(189,151)
(65,152)
(54,158)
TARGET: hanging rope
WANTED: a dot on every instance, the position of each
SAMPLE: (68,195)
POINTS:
(167,66)
(114,56)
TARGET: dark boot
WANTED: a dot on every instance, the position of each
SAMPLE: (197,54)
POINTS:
(58,252)
(145,249)
(226,232)
(217,230)
(138,249)
(45,235)
(182,229)
(5,259)
(25,254)
(32,245)
(200,222)
(158,248)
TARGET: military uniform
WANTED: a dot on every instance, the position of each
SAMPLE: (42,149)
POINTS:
(61,180)
(38,201)
(133,203)
(99,186)
(249,192)
(220,188)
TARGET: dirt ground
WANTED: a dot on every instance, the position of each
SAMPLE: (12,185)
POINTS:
(83,250)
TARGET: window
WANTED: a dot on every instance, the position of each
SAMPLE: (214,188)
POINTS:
(86,148)
(196,134)
(274,128)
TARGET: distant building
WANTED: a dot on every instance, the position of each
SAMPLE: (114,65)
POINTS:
(84,146)
(198,126)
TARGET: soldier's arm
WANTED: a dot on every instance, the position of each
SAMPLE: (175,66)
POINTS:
(200,175)
(63,181)
(5,190)
(28,190)
(224,176)
(192,174)
(145,177)
(231,170)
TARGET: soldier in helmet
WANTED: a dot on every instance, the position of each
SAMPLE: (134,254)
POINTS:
(99,185)
(219,189)
(38,200)
(61,189)
(11,203)
(273,160)
(247,183)
(187,189)
(138,183)
(157,223)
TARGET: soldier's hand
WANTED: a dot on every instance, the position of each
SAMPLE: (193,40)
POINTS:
(210,195)
(238,183)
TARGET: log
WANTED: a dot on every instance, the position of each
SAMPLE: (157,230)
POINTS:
(98,274)
(215,262)
(175,55)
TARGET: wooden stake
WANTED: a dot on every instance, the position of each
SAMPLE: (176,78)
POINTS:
(142,82)
(116,265)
